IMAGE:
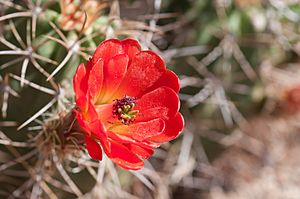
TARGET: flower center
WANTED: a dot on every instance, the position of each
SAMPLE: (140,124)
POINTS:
(122,108)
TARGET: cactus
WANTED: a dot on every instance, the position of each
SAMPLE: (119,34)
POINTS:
(42,43)
(238,64)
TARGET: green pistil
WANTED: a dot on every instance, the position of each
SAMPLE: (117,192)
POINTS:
(123,110)
(127,113)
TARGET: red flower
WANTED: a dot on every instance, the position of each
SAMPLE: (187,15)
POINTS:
(76,14)
(127,103)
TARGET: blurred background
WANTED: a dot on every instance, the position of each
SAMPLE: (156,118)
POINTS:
(238,63)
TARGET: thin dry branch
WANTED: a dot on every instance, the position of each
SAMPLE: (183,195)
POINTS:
(35,86)
(15,15)
(37,114)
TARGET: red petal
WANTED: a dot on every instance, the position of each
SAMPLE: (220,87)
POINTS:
(173,128)
(122,156)
(128,140)
(93,122)
(131,47)
(162,103)
(80,87)
(90,114)
(114,73)
(89,66)
(93,148)
(95,80)
(97,129)
(78,77)
(145,69)
(105,114)
(142,130)
(168,79)
(140,151)
(82,122)
(108,49)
